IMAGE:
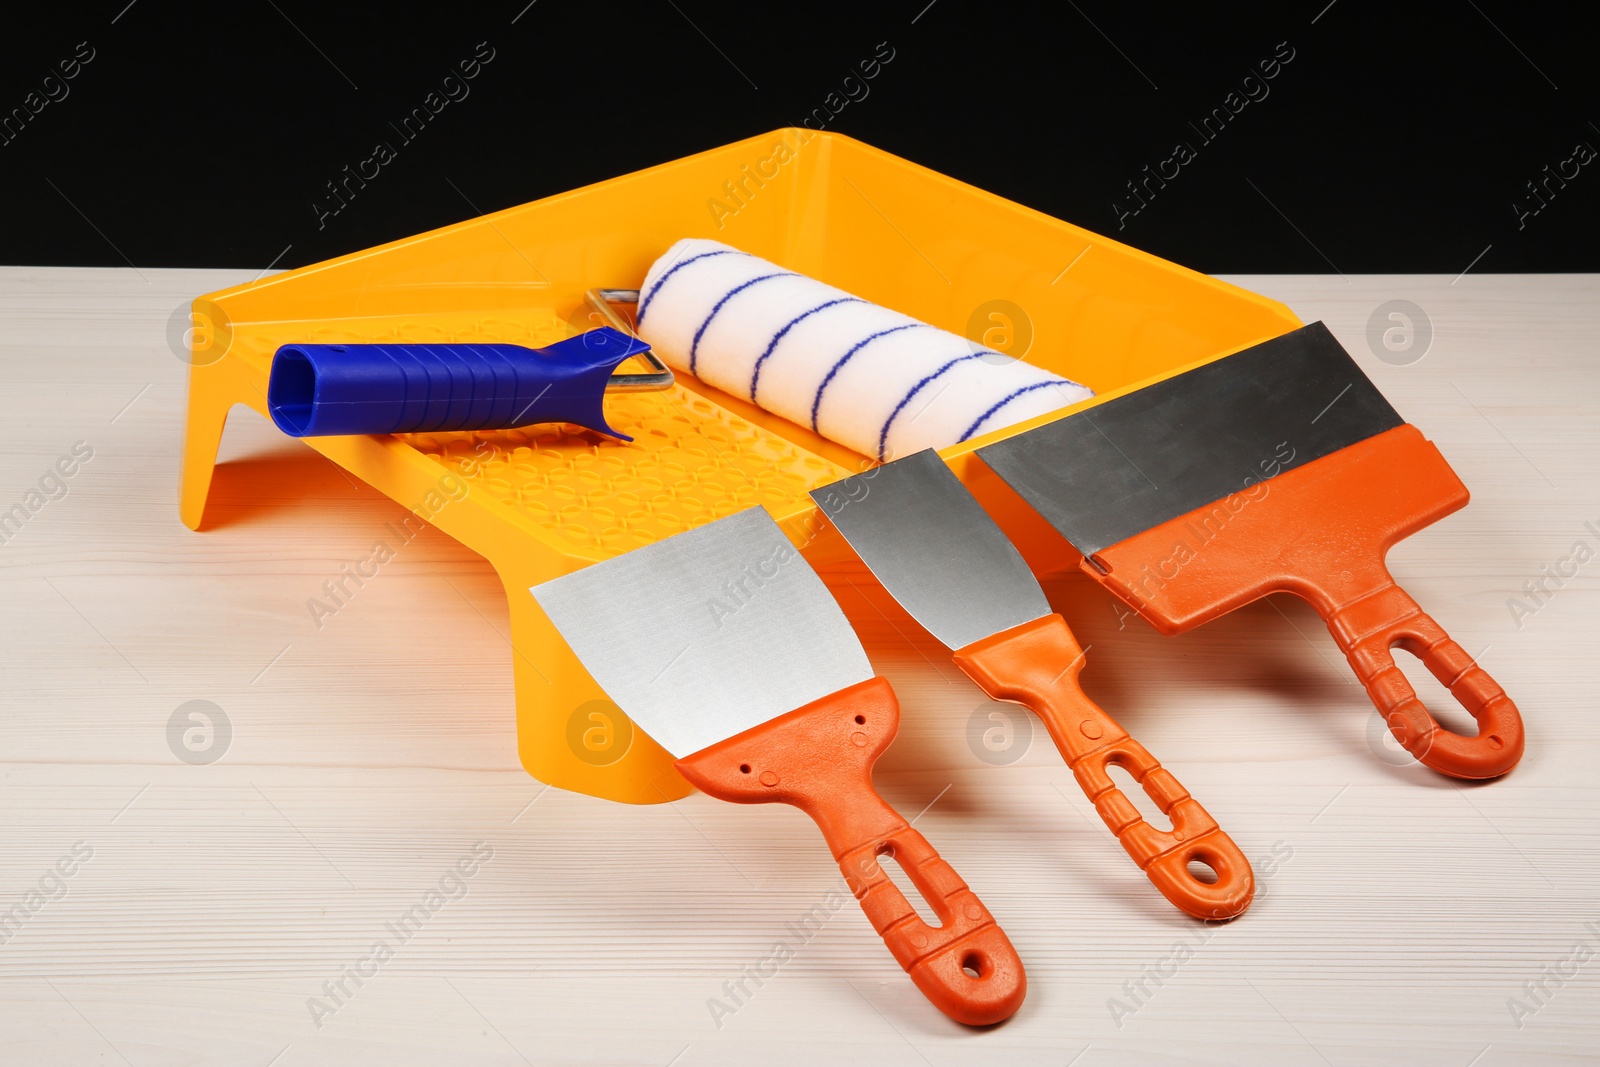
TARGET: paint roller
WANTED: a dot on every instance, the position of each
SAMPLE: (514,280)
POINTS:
(872,379)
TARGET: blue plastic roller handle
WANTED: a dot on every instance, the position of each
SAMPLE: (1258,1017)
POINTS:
(319,390)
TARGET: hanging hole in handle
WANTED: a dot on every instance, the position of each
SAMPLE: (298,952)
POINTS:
(744,768)
(974,965)
(1202,872)
(1149,810)
(908,889)
(1439,701)
(861,720)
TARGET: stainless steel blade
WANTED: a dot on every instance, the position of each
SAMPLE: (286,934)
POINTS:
(934,548)
(708,633)
(1114,470)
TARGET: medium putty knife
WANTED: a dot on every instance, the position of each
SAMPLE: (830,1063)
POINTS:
(724,645)
(943,558)
(1279,468)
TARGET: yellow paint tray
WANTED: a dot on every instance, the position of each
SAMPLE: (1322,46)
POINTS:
(543,501)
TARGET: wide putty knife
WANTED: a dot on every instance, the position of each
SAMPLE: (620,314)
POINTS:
(724,645)
(1279,468)
(939,554)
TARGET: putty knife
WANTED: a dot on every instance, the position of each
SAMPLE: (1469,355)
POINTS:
(939,554)
(724,645)
(1279,468)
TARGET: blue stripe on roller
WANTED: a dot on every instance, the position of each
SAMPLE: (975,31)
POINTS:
(694,348)
(1008,399)
(883,435)
(645,298)
(755,373)
(816,402)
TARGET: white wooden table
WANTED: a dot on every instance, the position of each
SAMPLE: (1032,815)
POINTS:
(1398,912)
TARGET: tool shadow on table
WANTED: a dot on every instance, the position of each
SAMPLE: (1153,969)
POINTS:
(1292,668)
(939,736)
(1282,668)
(282,479)
(1275,650)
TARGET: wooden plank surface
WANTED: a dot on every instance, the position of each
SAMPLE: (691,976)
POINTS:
(1399,913)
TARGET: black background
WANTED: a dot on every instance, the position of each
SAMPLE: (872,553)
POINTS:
(1397,139)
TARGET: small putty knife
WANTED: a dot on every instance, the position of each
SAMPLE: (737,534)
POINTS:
(724,645)
(1279,468)
(943,558)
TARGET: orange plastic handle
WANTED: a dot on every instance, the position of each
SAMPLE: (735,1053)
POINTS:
(1321,532)
(1037,665)
(819,758)
(1368,627)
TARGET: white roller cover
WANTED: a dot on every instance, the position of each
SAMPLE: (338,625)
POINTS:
(867,377)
